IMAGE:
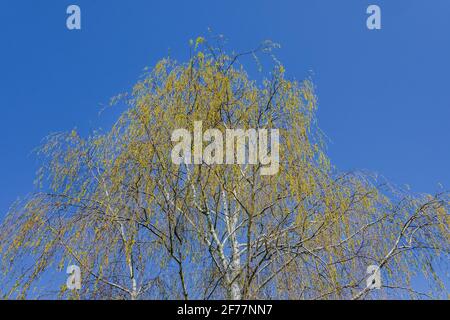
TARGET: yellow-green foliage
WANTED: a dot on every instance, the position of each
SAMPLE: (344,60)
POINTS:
(116,205)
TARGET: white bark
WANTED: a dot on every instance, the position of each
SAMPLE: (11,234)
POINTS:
(235,264)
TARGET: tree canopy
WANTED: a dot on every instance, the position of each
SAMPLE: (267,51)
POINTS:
(141,227)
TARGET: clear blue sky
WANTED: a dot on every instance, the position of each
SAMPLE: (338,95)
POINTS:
(384,96)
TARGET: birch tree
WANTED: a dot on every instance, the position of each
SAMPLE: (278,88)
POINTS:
(141,227)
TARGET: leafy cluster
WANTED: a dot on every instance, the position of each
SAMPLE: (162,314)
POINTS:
(141,227)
